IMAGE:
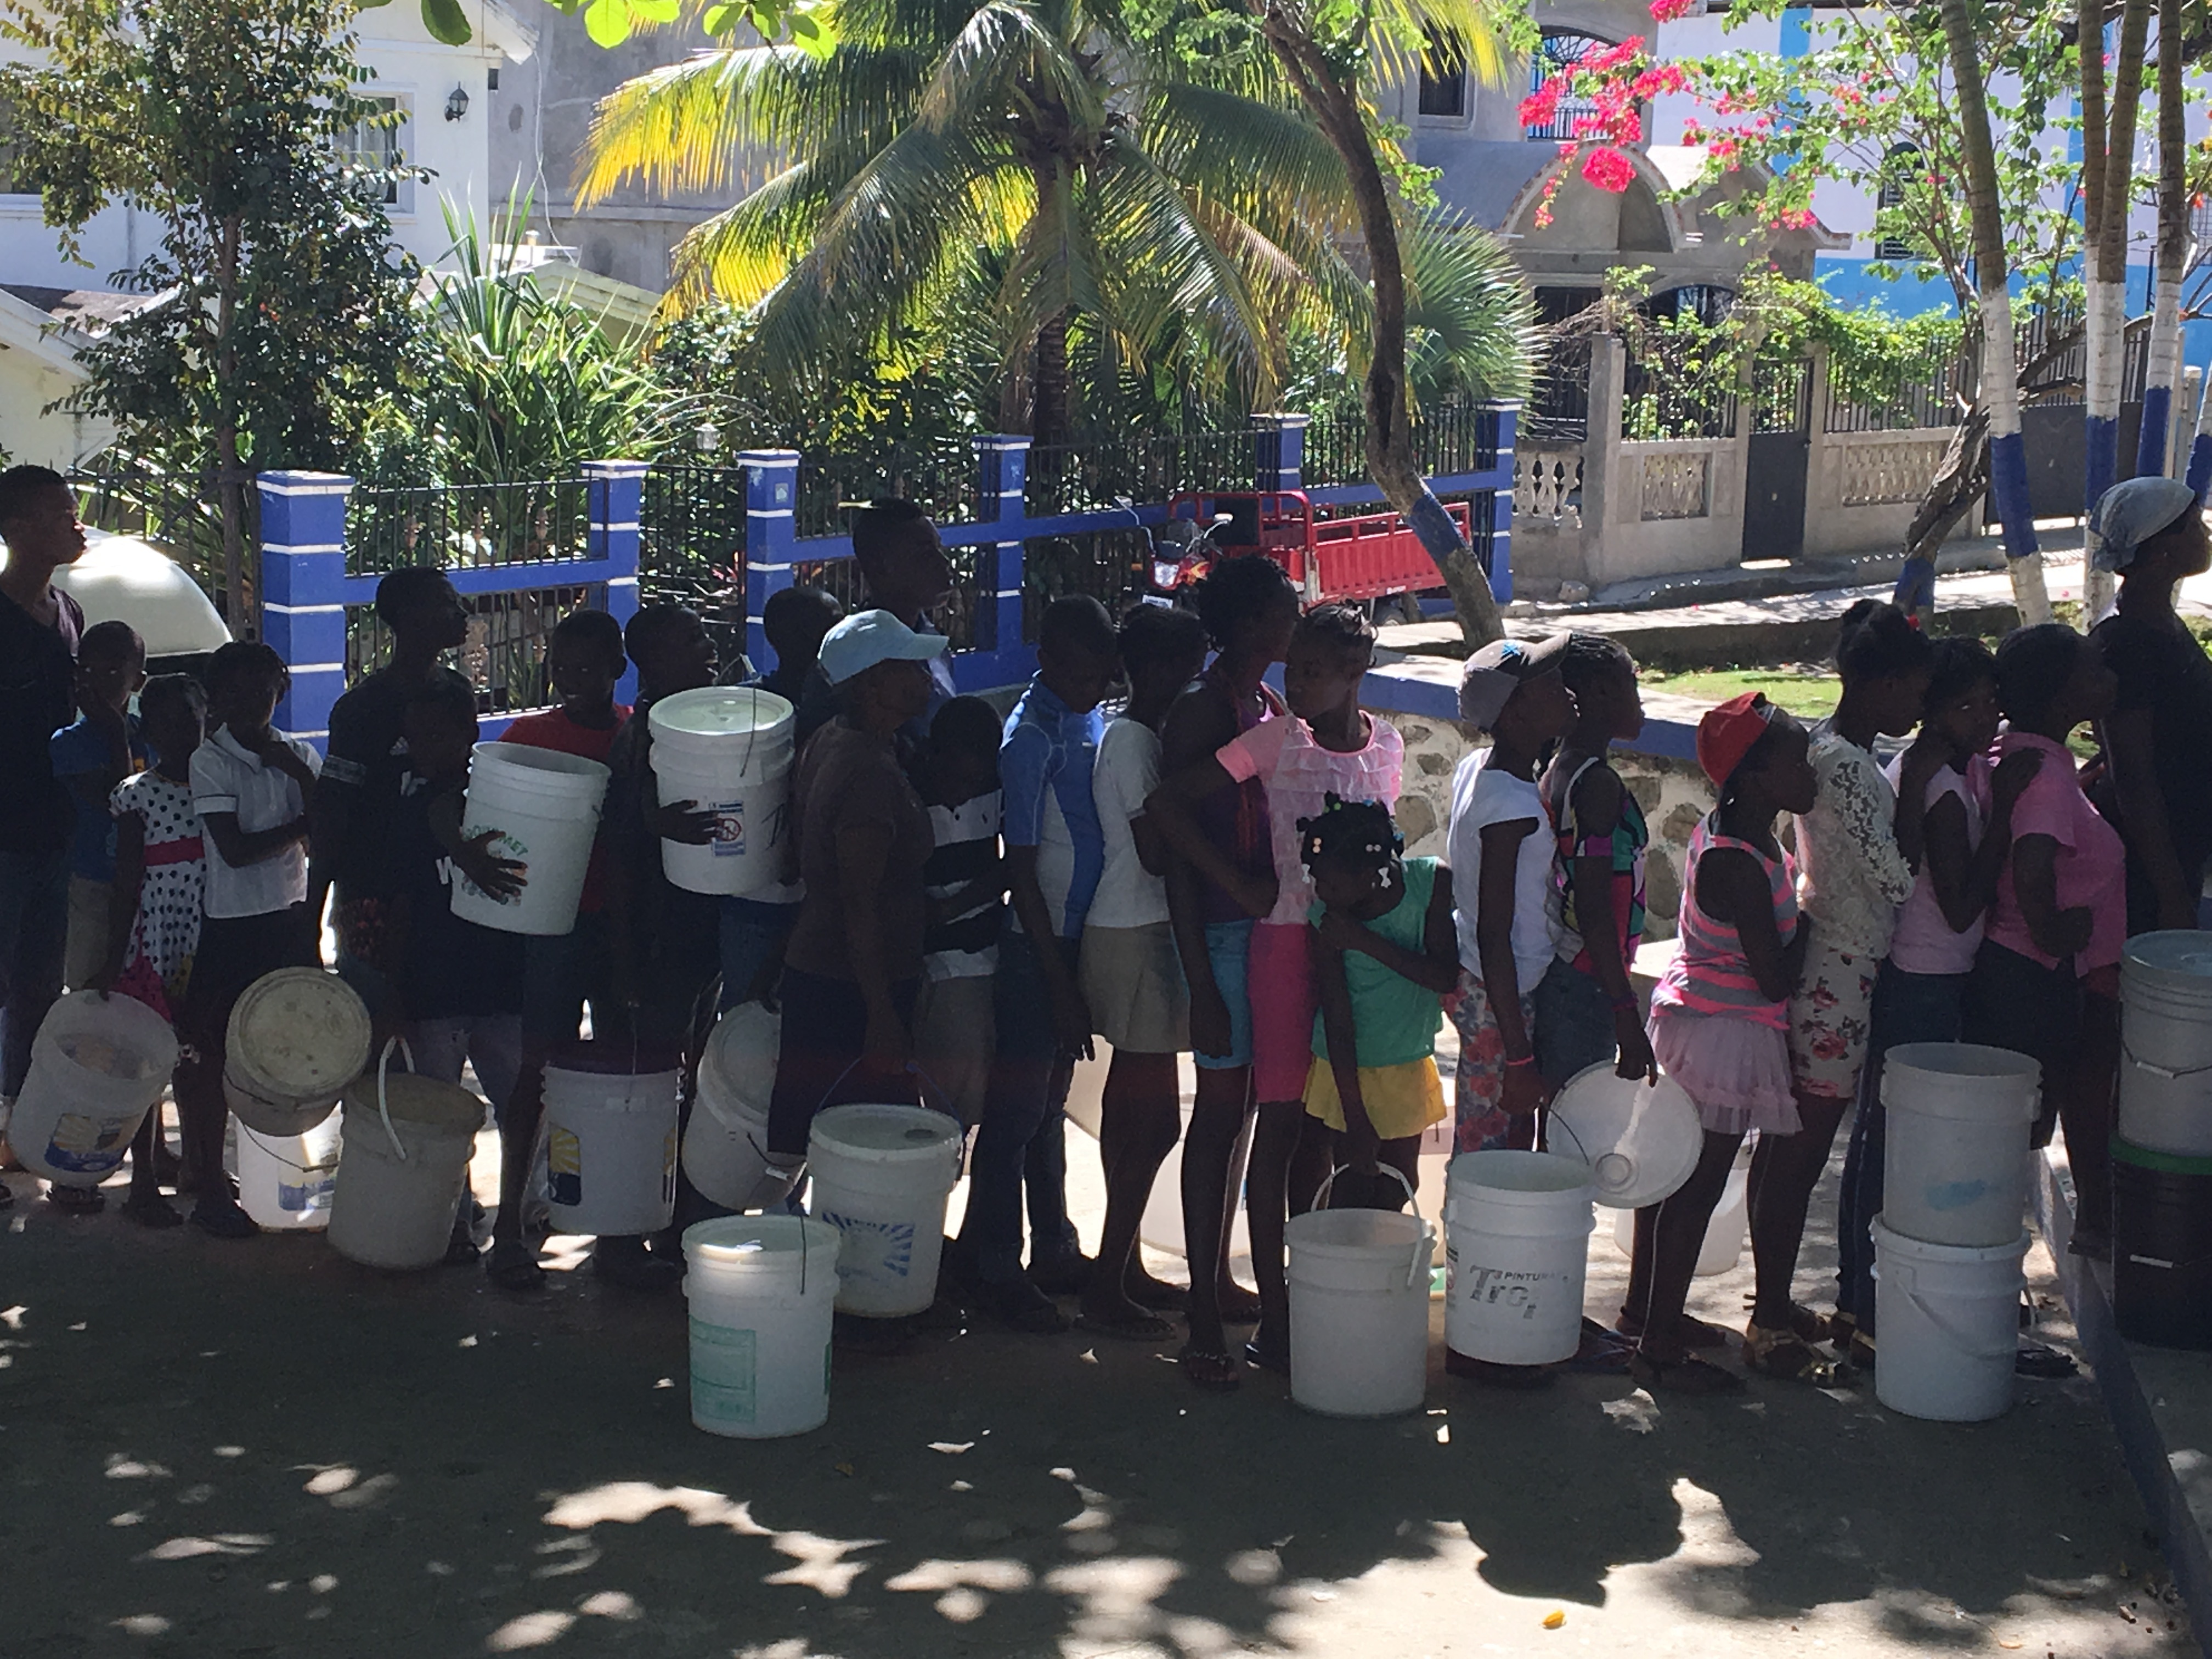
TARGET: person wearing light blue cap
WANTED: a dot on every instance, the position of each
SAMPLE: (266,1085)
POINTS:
(2158,739)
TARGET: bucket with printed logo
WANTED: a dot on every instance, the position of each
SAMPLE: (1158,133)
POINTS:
(728,749)
(882,1175)
(1516,1248)
(98,1064)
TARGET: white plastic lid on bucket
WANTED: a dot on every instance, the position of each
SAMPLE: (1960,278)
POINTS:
(705,721)
(885,1134)
(2178,960)
(758,1255)
(1640,1140)
(298,1034)
(1966,1081)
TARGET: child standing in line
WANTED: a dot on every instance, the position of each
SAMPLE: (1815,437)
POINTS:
(1851,877)
(954,1027)
(1388,956)
(250,785)
(1720,1014)
(2045,980)
(91,757)
(1330,746)
(1955,823)
(154,923)
(1130,977)
(1502,878)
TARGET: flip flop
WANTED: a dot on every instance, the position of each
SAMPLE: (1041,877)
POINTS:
(2041,1360)
(1601,1353)
(1210,1370)
(1146,1327)
(1253,1354)
(1786,1356)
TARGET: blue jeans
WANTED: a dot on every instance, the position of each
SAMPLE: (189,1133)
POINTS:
(1574,1022)
(1022,1141)
(1907,1008)
(753,932)
(34,935)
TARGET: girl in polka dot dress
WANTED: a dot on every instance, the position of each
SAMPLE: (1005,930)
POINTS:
(155,921)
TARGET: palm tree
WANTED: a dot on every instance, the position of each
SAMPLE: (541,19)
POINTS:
(1040,162)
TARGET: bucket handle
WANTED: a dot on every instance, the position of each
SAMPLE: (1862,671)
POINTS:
(2155,1070)
(1552,1122)
(1412,1200)
(2011,1345)
(913,1070)
(383,1107)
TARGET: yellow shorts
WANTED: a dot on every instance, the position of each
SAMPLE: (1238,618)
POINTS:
(1400,1100)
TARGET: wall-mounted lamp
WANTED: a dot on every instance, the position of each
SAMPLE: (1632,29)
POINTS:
(457,103)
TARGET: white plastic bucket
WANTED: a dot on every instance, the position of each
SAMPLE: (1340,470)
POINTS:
(611,1140)
(408,1140)
(286,1184)
(1517,1232)
(726,1144)
(1959,1115)
(545,806)
(1726,1234)
(2166,1033)
(97,1063)
(1360,1310)
(881,1176)
(764,1295)
(1949,1318)
(729,749)
(296,1038)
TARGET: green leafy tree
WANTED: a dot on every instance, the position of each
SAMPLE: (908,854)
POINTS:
(285,315)
(610,22)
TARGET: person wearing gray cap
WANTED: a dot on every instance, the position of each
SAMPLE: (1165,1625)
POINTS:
(2158,739)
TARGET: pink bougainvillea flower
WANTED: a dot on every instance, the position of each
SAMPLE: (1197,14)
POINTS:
(1608,170)
(1614,57)
(1540,106)
(1666,11)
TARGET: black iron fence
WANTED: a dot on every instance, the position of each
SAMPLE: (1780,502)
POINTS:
(1097,472)
(175,511)
(504,655)
(467,526)
(941,475)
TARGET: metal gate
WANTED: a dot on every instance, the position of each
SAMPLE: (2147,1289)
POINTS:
(1774,471)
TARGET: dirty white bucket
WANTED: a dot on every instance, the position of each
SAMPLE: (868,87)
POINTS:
(407,1145)
(286,1184)
(1949,1318)
(1959,1115)
(764,1295)
(2166,1033)
(728,747)
(1359,1308)
(97,1063)
(545,806)
(296,1038)
(1517,1232)
(611,1140)
(881,1176)
(726,1144)
(1726,1233)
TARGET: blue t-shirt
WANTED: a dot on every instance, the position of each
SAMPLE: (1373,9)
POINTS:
(81,750)
(1044,770)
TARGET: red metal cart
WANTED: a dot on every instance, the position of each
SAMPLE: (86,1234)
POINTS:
(1367,556)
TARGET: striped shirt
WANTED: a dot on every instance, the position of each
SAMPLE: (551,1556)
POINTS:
(1711,974)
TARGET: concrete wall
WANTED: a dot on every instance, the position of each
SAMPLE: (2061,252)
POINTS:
(61,440)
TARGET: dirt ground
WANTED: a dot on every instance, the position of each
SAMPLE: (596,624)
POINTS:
(210,1448)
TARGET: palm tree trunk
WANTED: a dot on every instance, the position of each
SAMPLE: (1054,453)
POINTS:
(1336,107)
(1048,385)
(2108,270)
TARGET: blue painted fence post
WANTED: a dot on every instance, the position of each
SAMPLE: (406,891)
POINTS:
(303,516)
(1501,503)
(614,497)
(1002,466)
(771,538)
(1279,451)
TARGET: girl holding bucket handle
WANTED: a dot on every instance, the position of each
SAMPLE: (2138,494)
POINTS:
(1852,875)
(1387,955)
(1720,1013)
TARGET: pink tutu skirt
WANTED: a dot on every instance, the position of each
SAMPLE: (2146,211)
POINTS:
(1736,1070)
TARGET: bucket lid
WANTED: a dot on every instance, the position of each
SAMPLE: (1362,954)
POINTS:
(882,1134)
(425,1101)
(721,711)
(734,1238)
(1517,1177)
(608,1057)
(299,1032)
(528,758)
(1640,1140)
(737,1070)
(2164,1163)
(2182,958)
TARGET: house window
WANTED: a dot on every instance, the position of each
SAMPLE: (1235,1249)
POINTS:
(1556,54)
(379,145)
(1443,75)
(1896,167)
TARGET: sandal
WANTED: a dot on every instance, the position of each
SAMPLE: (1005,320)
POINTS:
(76,1201)
(1601,1352)
(1786,1355)
(1688,1375)
(1256,1355)
(1209,1369)
(2041,1360)
(512,1266)
(151,1210)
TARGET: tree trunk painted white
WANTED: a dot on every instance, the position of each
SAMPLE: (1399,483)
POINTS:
(2106,326)
(2008,459)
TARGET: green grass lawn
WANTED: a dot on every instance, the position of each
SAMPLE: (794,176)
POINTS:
(1806,691)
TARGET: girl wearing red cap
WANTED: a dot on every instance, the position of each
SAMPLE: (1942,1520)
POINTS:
(1720,1015)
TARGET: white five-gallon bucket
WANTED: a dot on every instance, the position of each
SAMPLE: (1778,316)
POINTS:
(881,1176)
(1516,1243)
(725,1145)
(1359,1308)
(2165,1030)
(1959,1116)
(97,1063)
(286,1184)
(296,1038)
(611,1117)
(545,806)
(1949,1318)
(728,747)
(764,1295)
(408,1140)
(1726,1234)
